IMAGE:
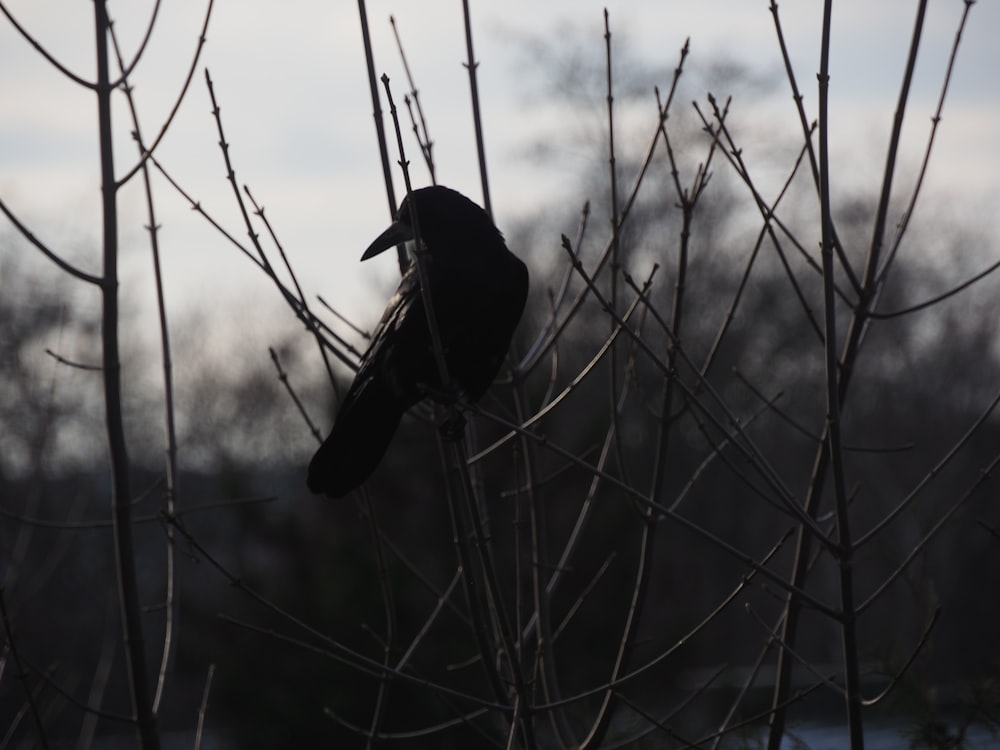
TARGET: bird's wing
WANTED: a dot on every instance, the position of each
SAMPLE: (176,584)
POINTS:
(371,410)
(399,348)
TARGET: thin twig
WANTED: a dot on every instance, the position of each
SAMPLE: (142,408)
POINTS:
(744,444)
(938,299)
(526,365)
(70,363)
(171,482)
(935,121)
(666,512)
(106,523)
(147,153)
(433,729)
(301,298)
(573,385)
(21,674)
(735,157)
(477,121)
(202,707)
(774,637)
(311,322)
(493,592)
(283,377)
(46,675)
(420,252)
(50,254)
(93,86)
(126,70)
(361,332)
(807,129)
(383,148)
(102,673)
(419,130)
(984,475)
(903,669)
(548,331)
(389,609)
(679,643)
(324,645)
(802,430)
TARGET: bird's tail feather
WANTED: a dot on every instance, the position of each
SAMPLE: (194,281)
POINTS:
(362,433)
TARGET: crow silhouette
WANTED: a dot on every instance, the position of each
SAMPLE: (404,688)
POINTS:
(478,290)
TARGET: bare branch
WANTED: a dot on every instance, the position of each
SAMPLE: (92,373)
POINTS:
(45,53)
(146,153)
(283,377)
(935,121)
(419,129)
(383,148)
(477,121)
(64,265)
(903,669)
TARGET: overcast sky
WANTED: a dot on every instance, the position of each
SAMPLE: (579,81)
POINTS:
(291,82)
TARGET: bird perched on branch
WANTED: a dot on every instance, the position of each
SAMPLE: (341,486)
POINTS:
(477,289)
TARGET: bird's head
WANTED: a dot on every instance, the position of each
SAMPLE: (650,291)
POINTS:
(446,220)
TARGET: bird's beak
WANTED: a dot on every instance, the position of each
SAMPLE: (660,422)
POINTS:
(396,234)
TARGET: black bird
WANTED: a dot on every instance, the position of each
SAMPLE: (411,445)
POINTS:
(478,289)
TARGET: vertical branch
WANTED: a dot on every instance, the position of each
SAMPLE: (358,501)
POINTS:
(870,285)
(807,135)
(388,605)
(383,149)
(458,453)
(203,707)
(615,253)
(935,121)
(170,490)
(471,66)
(686,204)
(613,175)
(845,553)
(881,215)
(121,498)
(470,585)
(494,596)
(602,722)
(540,562)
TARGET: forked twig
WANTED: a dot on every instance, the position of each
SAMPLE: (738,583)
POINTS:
(419,121)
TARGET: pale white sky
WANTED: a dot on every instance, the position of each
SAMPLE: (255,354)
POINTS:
(291,82)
